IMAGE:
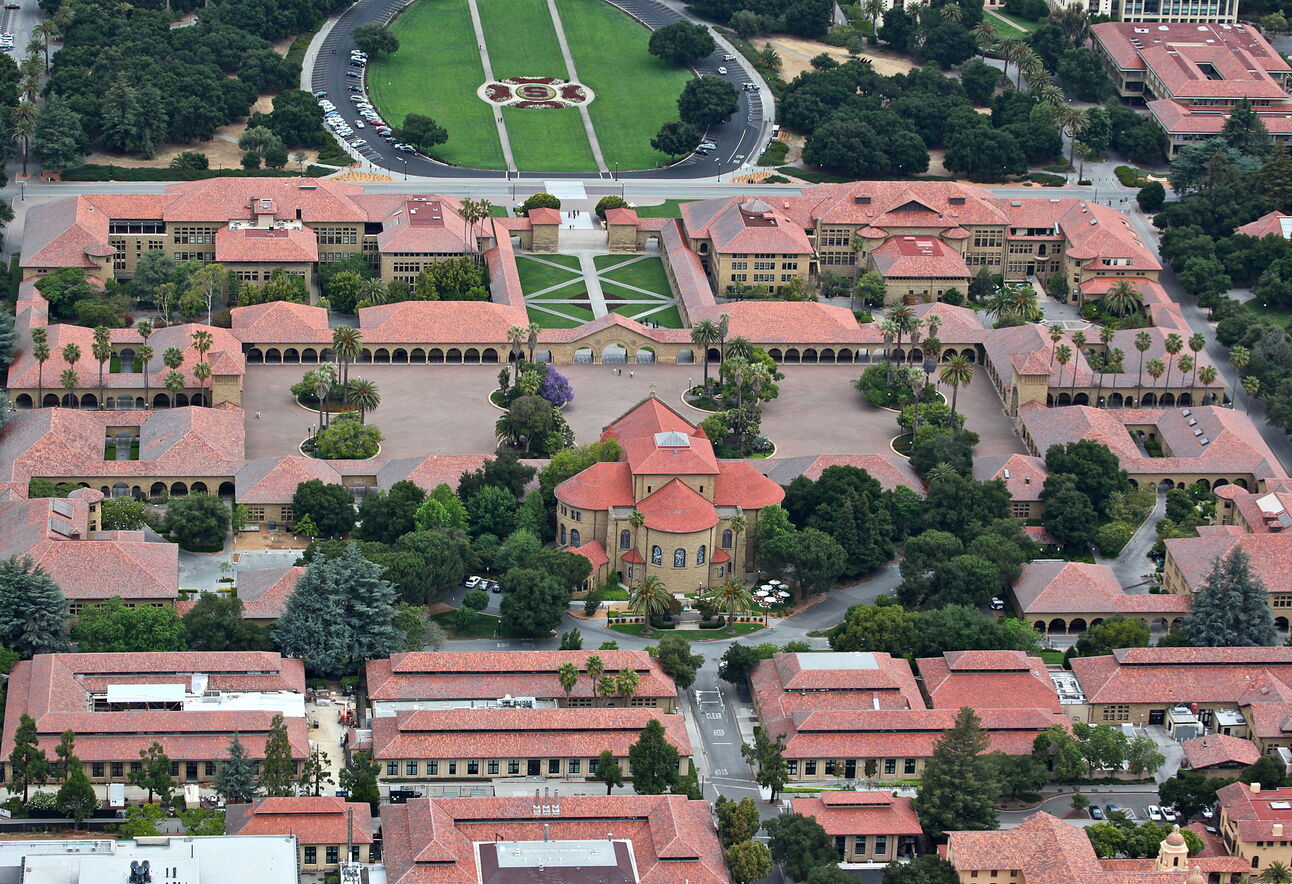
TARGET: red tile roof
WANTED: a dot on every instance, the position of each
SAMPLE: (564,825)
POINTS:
(433,840)
(1011,678)
(593,551)
(1275,223)
(860,813)
(281,322)
(56,690)
(740,484)
(432,470)
(1045,588)
(598,487)
(1219,749)
(273,480)
(1270,556)
(1045,849)
(1022,474)
(324,820)
(514,733)
(264,591)
(1255,813)
(266,245)
(677,509)
(741,224)
(919,257)
(1179,675)
(449,322)
(889,470)
(781,323)
(470,675)
(1242,60)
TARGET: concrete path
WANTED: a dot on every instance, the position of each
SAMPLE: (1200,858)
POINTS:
(1133,564)
(507,156)
(583,108)
(596,297)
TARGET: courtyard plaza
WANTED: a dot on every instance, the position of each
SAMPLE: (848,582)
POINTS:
(444,409)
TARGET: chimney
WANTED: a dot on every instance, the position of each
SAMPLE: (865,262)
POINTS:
(547,831)
(556,802)
(1256,788)
(538,803)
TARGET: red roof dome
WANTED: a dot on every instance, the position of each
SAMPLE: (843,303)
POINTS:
(678,509)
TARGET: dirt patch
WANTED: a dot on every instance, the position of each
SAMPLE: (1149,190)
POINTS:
(438,608)
(251,540)
(797,54)
(222,150)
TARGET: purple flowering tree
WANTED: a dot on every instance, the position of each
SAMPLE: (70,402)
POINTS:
(556,388)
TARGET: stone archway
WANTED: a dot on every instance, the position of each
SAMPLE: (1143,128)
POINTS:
(614,353)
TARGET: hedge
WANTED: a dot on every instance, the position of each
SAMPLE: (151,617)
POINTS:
(1130,176)
(94,172)
(1047,179)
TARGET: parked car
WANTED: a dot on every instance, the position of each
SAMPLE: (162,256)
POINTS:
(354,88)
(722,71)
(1095,812)
(495,586)
(354,75)
(405,148)
(728,58)
(1209,812)
(320,95)
(1113,808)
(473,581)
(997,603)
(1154,813)
(1168,814)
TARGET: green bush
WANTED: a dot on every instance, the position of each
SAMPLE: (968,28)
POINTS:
(776,179)
(96,172)
(1046,179)
(1130,176)
(1112,537)
(775,154)
(331,152)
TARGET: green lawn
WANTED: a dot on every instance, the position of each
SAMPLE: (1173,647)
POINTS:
(1007,27)
(498,212)
(536,276)
(571,316)
(636,92)
(668,318)
(485,626)
(1052,658)
(398,84)
(1279,315)
(605,262)
(576,289)
(522,42)
(667,209)
(648,273)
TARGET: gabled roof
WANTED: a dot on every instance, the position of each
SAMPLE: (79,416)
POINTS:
(1219,749)
(282,322)
(677,509)
(1011,678)
(323,820)
(273,480)
(1045,588)
(861,813)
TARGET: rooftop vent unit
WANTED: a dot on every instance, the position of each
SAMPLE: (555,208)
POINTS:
(1193,422)
(1006,474)
(1186,412)
(957,201)
(1204,441)
(861,200)
(1197,431)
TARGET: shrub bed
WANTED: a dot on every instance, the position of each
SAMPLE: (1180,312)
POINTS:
(1130,176)
(96,172)
(1046,179)
(775,154)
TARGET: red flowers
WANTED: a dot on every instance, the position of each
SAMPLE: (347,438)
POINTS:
(535,92)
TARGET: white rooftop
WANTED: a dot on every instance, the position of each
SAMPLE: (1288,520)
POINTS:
(558,854)
(217,859)
(838,660)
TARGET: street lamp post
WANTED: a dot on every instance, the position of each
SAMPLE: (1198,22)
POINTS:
(404,160)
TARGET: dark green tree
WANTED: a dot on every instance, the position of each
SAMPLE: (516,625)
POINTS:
(198,522)
(737,663)
(359,778)
(76,798)
(1115,632)
(681,43)
(28,764)
(886,628)
(707,101)
(1191,791)
(677,661)
(737,820)
(960,788)
(928,868)
(235,778)
(422,132)
(767,757)
(154,774)
(653,761)
(59,142)
(1096,471)
(748,861)
(676,138)
(800,844)
(215,624)
(328,506)
(608,771)
(277,769)
(814,558)
(33,610)
(1232,608)
(533,602)
(112,627)
(376,40)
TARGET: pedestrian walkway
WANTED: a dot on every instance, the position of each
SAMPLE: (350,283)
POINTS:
(574,75)
(507,156)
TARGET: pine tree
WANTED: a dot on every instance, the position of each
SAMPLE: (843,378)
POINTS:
(369,602)
(33,611)
(154,773)
(1217,618)
(235,781)
(76,797)
(360,778)
(27,762)
(317,773)
(313,627)
(653,761)
(1276,176)
(277,770)
(1254,601)
(959,789)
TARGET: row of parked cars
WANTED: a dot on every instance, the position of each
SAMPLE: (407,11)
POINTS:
(343,127)
(474,582)
(1155,813)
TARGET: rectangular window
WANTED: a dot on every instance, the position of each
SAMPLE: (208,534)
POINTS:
(809,768)
(554,765)
(908,766)
(118,769)
(151,228)
(859,845)
(988,239)
(739,265)
(410,768)
(575,765)
(789,265)
(311,855)
(881,845)
(890,765)
(473,768)
(1116,713)
(792,767)
(513,767)
(764,265)
(194,235)
(764,277)
(453,768)
(835,236)
(493,768)
(392,768)
(174,768)
(96,769)
(830,767)
(786,277)
(136,766)
(740,277)
(432,768)
(333,853)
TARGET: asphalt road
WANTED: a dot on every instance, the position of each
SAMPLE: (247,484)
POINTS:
(739,140)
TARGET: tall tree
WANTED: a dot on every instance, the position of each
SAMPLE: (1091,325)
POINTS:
(278,769)
(960,790)
(1232,607)
(28,763)
(316,773)
(235,779)
(76,797)
(653,761)
(608,771)
(737,820)
(767,758)
(58,140)
(360,778)
(33,610)
(800,844)
(154,773)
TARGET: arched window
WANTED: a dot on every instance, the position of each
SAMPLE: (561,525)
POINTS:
(679,558)
(562,535)
(699,555)
(656,555)
(726,539)
(574,537)
(625,539)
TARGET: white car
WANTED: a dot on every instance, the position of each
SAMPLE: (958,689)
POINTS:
(1168,814)
(1154,813)
(358,124)
(474,581)
(722,71)
(998,604)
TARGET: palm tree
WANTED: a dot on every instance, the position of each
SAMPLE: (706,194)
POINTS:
(516,336)
(1251,385)
(984,35)
(1073,122)
(347,345)
(174,382)
(568,675)
(1063,355)
(1123,299)
(1174,344)
(1143,341)
(101,349)
(24,127)
(202,341)
(1056,335)
(733,597)
(594,666)
(145,354)
(904,320)
(738,524)
(956,371)
(69,381)
(704,334)
(363,395)
(874,9)
(40,351)
(1156,368)
(649,598)
(951,12)
(1197,343)
(531,340)
(1186,365)
(374,291)
(473,212)
(1029,63)
(46,29)
(1276,873)
(173,357)
(888,331)
(1207,374)
(202,371)
(637,520)
(740,348)
(1009,49)
(1239,356)
(71,355)
(1098,364)
(1049,95)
